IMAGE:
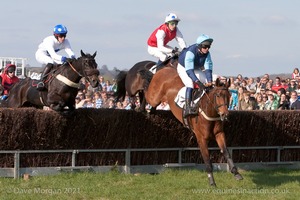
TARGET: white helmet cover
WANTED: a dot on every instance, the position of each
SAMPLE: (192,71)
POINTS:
(171,17)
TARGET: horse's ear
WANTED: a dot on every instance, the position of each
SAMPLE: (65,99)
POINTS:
(94,55)
(217,82)
(228,82)
(82,54)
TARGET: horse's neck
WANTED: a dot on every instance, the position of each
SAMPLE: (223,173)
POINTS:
(206,104)
(71,72)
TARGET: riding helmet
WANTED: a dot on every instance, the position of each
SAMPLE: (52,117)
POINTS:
(60,29)
(171,17)
(11,68)
(204,39)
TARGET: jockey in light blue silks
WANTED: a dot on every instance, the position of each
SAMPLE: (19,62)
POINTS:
(195,68)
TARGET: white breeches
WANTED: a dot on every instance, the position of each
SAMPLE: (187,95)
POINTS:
(187,81)
(154,51)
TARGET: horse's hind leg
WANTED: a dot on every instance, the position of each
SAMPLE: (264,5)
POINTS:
(220,138)
(203,144)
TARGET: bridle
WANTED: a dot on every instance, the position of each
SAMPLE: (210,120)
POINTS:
(85,63)
(217,95)
(73,68)
(65,80)
(213,103)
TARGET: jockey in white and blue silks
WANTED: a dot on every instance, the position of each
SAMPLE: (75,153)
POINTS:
(195,67)
(47,51)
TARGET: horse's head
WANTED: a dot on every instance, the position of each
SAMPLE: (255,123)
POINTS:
(220,96)
(89,68)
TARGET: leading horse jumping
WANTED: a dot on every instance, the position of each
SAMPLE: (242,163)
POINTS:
(61,86)
(207,125)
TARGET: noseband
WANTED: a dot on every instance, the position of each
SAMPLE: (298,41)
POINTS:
(217,95)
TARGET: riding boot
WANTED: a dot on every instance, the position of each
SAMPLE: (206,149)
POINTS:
(153,69)
(190,107)
(41,85)
(159,65)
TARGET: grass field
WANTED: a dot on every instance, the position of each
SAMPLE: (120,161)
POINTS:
(171,184)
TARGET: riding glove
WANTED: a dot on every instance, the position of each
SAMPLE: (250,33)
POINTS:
(200,85)
(63,59)
(175,51)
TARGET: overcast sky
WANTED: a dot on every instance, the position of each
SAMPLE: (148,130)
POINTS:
(251,37)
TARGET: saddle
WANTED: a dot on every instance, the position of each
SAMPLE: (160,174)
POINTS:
(180,97)
(48,76)
(180,102)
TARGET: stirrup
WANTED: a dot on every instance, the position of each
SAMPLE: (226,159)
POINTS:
(40,86)
(189,111)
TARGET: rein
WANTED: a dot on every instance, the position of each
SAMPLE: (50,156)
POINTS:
(69,82)
(212,104)
(73,68)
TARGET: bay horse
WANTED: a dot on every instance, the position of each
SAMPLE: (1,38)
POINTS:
(132,81)
(61,86)
(207,125)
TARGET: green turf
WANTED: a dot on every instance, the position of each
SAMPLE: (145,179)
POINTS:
(171,184)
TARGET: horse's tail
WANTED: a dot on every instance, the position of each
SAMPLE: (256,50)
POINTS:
(146,76)
(121,90)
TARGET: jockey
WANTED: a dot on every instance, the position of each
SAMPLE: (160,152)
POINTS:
(47,51)
(195,67)
(158,40)
(8,79)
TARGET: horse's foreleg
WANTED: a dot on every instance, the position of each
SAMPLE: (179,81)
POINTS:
(142,101)
(220,138)
(203,144)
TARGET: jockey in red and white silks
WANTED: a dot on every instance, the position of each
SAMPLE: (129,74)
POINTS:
(158,40)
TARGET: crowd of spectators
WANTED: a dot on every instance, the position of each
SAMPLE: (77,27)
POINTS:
(101,96)
(263,93)
(259,93)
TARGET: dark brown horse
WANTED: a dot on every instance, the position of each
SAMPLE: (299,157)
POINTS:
(62,86)
(133,82)
(213,107)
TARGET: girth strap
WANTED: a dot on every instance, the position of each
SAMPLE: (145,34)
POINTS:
(67,81)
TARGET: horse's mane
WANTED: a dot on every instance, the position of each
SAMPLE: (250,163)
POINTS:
(147,76)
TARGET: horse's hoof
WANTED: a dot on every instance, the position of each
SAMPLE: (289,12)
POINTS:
(238,177)
(213,184)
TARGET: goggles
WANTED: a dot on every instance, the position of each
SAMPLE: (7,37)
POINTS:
(173,23)
(61,35)
(204,46)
